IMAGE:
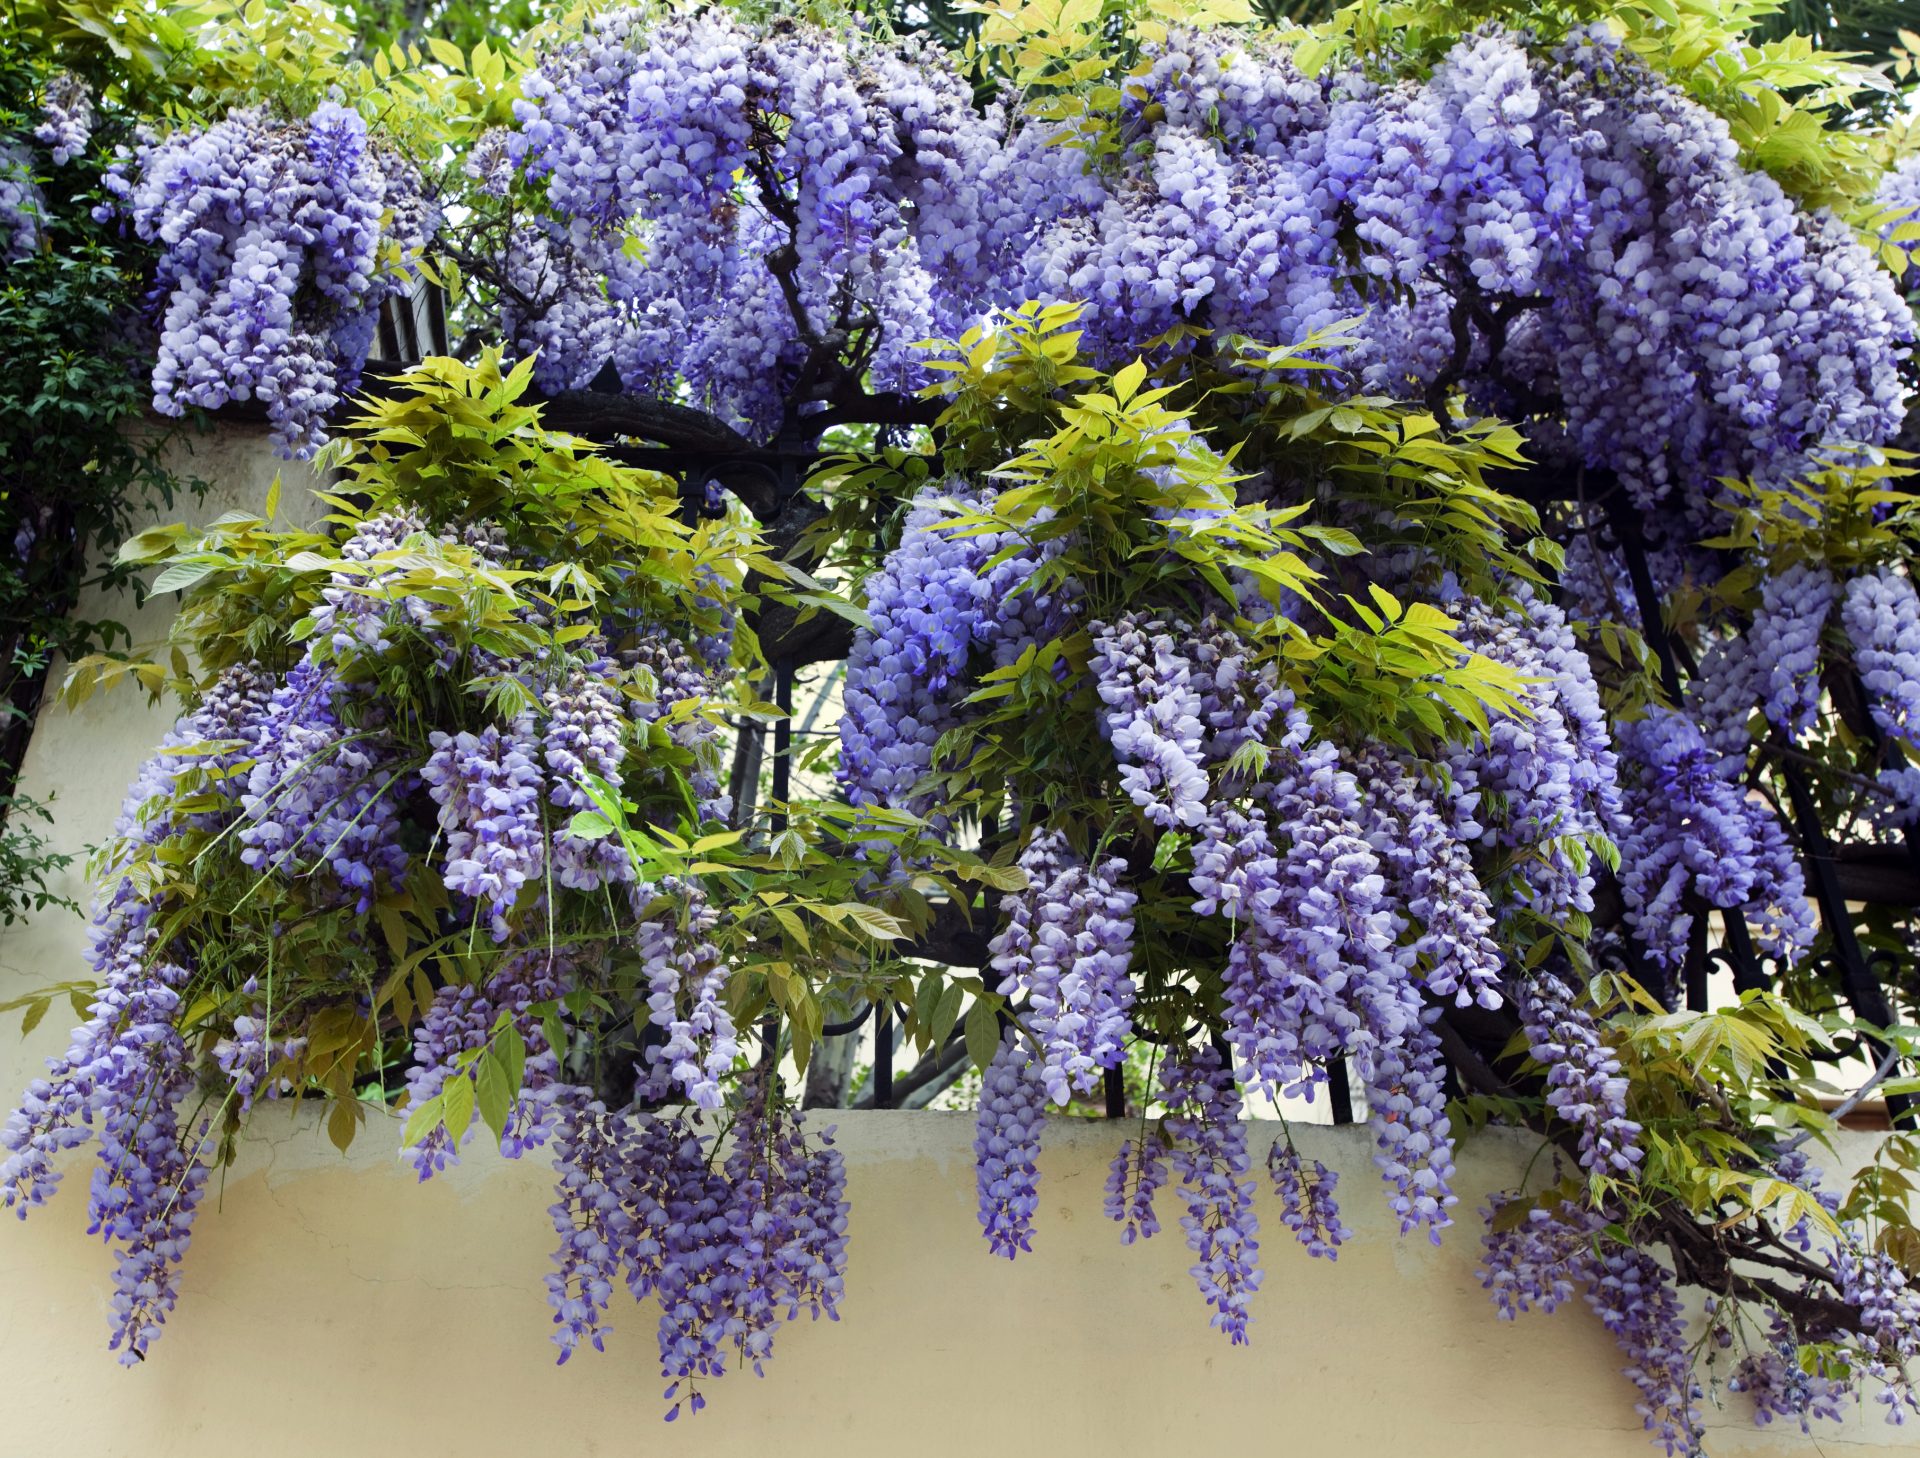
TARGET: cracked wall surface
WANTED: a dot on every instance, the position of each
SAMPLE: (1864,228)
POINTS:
(331,1304)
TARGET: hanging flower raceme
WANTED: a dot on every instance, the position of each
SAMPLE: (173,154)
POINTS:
(1882,618)
(66,117)
(22,204)
(1785,643)
(809,196)
(1695,831)
(381,830)
(1585,1084)
(1006,1146)
(937,599)
(1543,784)
(274,238)
(1065,949)
(1152,714)
(1209,1152)
(1306,1200)
(686,981)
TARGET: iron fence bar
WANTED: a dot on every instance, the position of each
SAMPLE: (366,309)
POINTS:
(1633,546)
(1653,628)
(1340,1090)
(847,1025)
(782,743)
(1696,964)
(1116,1092)
(883,1058)
(1736,946)
(1864,994)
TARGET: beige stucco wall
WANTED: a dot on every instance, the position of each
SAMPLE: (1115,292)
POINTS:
(333,1305)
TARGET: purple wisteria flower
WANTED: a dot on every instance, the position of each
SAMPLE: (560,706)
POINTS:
(1006,1146)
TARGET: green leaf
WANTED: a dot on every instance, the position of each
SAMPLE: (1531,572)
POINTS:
(983,1033)
(179,576)
(873,921)
(424,1120)
(795,928)
(510,1048)
(457,1098)
(790,847)
(493,1094)
(947,1013)
(343,1122)
(35,1011)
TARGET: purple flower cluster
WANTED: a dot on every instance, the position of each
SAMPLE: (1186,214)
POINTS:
(1540,1262)
(1431,874)
(1694,828)
(1280,1020)
(1721,699)
(1066,947)
(592,1217)
(127,1069)
(743,1249)
(247,1053)
(1241,702)
(460,1022)
(22,205)
(1585,1084)
(1006,1145)
(1637,1302)
(586,734)
(729,1252)
(113,1056)
(686,988)
(1543,783)
(1587,223)
(787,1226)
(1209,1151)
(1707,322)
(321,796)
(1138,1171)
(122,1080)
(1318,969)
(1785,642)
(209,751)
(1882,618)
(852,168)
(1150,709)
(1306,1200)
(1887,1337)
(66,117)
(150,1176)
(678,676)
(1407,1111)
(1780,1387)
(359,612)
(932,603)
(274,239)
(490,791)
